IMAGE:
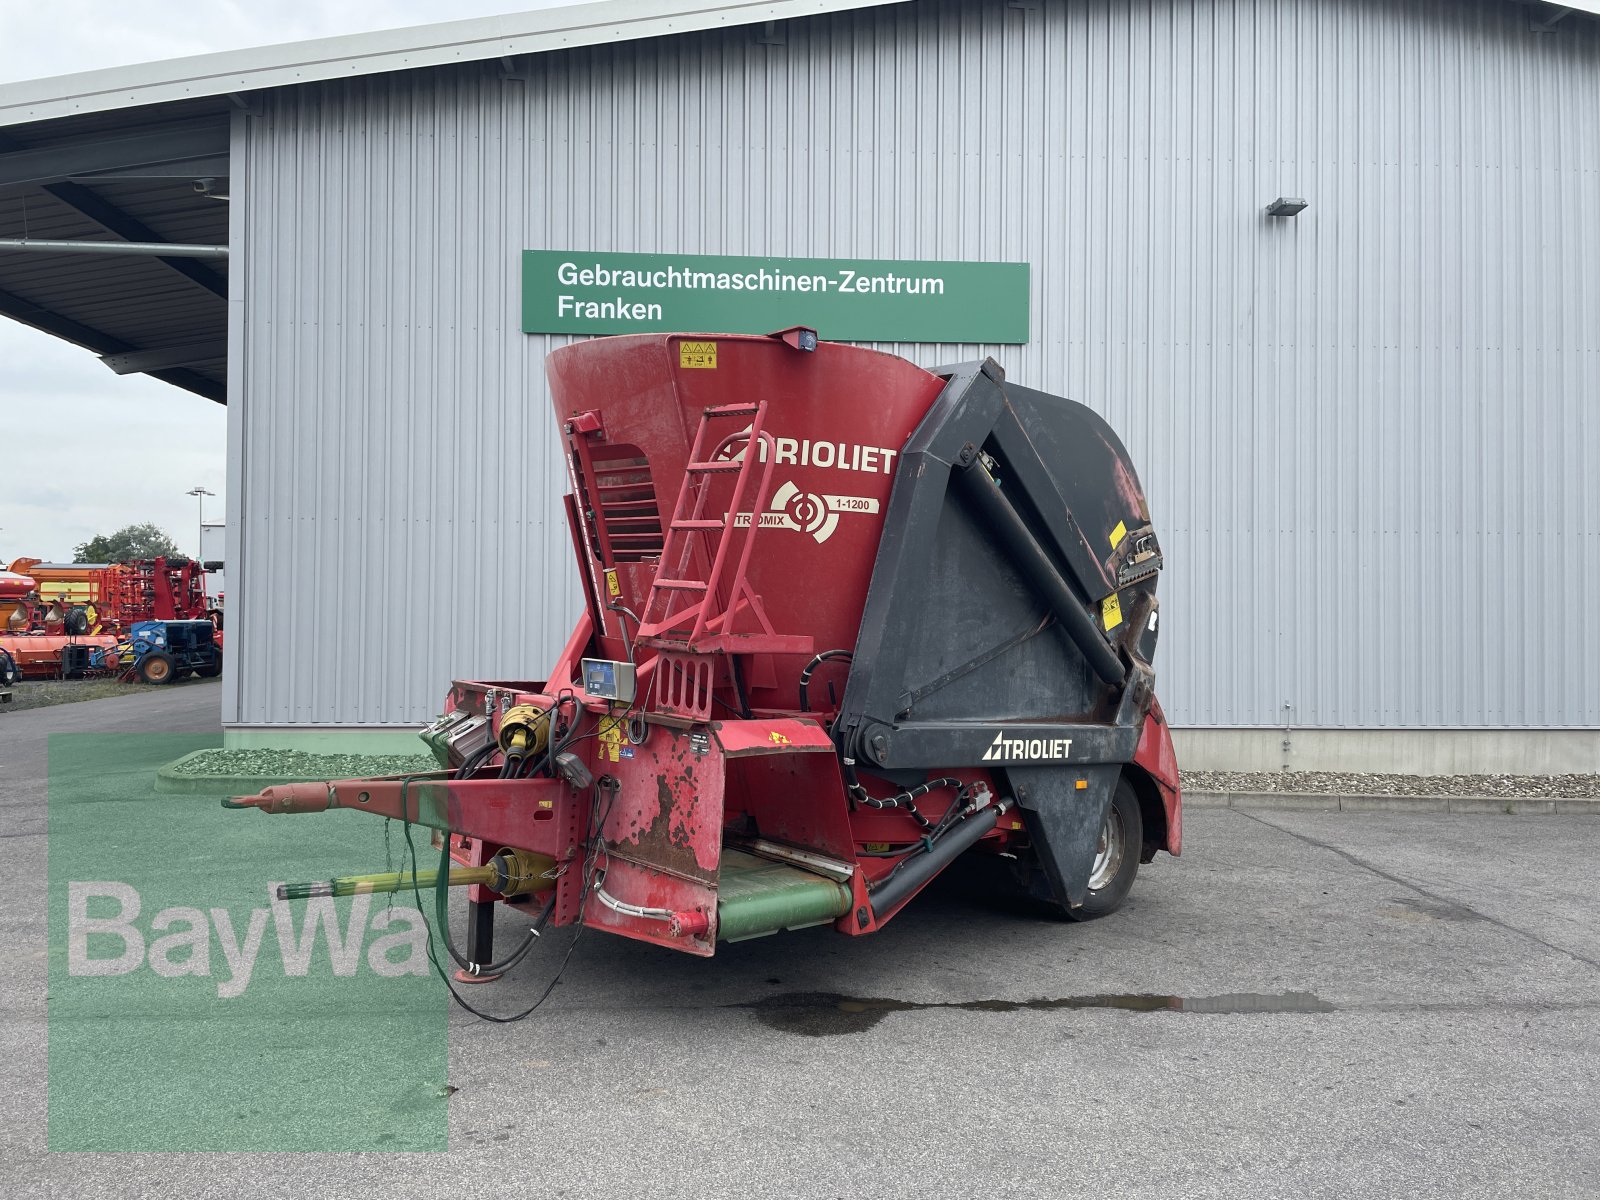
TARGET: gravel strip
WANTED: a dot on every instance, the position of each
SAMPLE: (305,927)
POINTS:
(299,764)
(1341,783)
(264,763)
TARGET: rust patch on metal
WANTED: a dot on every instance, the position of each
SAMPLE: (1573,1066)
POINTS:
(679,833)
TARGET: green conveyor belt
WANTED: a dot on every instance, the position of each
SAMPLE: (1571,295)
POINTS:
(757,896)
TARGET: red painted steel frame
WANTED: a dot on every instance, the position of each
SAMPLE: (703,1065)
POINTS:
(1156,757)
(667,804)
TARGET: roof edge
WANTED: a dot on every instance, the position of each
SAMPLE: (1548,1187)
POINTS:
(419,46)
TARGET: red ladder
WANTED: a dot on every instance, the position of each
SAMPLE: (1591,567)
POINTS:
(701,626)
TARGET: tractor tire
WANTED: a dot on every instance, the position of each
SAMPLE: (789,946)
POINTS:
(9,674)
(156,668)
(1117,860)
(76,622)
(1110,876)
(210,670)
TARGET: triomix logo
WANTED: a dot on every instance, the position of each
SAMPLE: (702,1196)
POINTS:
(178,940)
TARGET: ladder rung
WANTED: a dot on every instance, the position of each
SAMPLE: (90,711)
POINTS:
(697,524)
(733,410)
(680,585)
(708,468)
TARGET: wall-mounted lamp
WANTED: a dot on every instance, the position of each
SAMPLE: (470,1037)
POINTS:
(1285,206)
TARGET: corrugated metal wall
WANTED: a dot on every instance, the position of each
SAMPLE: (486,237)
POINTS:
(1367,433)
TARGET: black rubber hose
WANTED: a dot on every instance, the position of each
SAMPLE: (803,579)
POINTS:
(916,871)
(442,917)
(810,668)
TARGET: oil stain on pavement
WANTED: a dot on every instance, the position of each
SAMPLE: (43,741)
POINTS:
(826,1014)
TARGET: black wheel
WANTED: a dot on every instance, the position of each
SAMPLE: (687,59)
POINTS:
(76,621)
(211,670)
(1116,859)
(8,669)
(1116,862)
(156,668)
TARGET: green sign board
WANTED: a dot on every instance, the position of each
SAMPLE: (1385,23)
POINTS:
(843,299)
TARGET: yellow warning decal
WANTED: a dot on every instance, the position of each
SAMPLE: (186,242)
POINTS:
(611,739)
(777,739)
(876,847)
(613,588)
(1117,534)
(1111,612)
(697,356)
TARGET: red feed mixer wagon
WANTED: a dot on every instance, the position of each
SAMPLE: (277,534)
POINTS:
(846,619)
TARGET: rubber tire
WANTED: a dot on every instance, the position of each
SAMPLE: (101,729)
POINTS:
(211,670)
(164,665)
(8,669)
(76,622)
(1106,900)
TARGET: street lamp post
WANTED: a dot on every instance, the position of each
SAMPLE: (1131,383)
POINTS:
(200,494)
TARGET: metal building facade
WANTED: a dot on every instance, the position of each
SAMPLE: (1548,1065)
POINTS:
(1364,431)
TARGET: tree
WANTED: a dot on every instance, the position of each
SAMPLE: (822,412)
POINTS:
(127,544)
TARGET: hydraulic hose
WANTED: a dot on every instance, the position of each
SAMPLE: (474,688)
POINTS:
(917,870)
(441,914)
(810,669)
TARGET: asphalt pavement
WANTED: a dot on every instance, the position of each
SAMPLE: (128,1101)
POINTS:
(1305,1004)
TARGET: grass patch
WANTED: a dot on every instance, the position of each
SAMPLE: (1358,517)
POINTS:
(42,693)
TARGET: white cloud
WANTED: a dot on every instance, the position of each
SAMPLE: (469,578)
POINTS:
(83,451)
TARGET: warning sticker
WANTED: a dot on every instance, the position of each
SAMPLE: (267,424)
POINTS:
(611,740)
(697,356)
(1117,534)
(613,588)
(1111,612)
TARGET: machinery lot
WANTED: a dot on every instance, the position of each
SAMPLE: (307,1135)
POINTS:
(1387,1005)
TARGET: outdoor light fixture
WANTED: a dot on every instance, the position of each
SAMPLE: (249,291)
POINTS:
(200,494)
(1285,206)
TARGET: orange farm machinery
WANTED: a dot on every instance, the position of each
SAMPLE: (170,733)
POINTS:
(54,616)
(846,619)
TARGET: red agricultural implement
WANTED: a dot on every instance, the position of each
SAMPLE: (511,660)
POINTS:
(846,619)
(55,616)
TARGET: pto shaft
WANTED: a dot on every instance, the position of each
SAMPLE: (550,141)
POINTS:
(511,873)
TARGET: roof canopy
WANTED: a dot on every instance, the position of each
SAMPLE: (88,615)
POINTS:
(136,159)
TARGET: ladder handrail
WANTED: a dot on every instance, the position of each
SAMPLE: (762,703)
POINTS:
(741,584)
(692,497)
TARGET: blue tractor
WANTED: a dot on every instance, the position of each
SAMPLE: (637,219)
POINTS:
(158,652)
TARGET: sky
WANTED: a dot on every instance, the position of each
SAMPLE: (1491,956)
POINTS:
(76,455)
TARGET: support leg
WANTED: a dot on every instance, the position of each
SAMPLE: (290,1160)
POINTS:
(480,938)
